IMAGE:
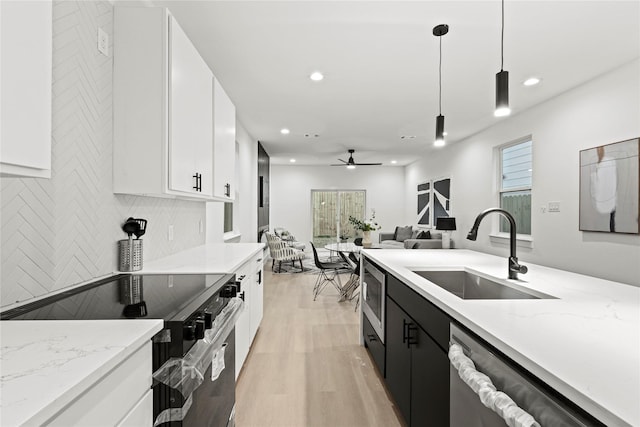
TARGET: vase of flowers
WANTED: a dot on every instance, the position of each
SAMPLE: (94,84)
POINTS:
(366,226)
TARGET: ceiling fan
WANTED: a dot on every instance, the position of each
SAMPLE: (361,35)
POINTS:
(352,163)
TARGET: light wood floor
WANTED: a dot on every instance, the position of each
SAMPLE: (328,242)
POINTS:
(306,366)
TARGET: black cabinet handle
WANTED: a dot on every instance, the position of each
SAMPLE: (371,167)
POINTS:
(259,277)
(405,331)
(372,337)
(227,190)
(198,177)
(411,338)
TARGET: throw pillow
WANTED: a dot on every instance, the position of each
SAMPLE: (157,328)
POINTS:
(403,233)
(424,235)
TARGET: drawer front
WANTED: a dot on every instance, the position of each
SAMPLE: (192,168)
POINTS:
(433,320)
(109,400)
(142,414)
(373,344)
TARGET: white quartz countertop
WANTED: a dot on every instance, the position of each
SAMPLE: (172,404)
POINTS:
(212,258)
(585,343)
(46,364)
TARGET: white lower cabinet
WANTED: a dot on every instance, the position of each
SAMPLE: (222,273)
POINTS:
(249,320)
(141,414)
(122,395)
(257,294)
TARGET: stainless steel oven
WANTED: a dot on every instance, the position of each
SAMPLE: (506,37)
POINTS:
(374,288)
(193,356)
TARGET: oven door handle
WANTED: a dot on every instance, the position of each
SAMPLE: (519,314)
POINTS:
(186,373)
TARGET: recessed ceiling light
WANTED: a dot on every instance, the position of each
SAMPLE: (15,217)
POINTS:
(285,131)
(316,76)
(292,160)
(531,81)
(445,133)
(393,162)
(408,137)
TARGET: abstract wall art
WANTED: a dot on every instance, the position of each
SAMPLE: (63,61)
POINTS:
(610,187)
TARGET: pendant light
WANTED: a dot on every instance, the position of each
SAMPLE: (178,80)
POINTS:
(502,80)
(439,31)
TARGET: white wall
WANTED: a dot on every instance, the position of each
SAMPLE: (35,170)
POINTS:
(290,204)
(245,207)
(603,111)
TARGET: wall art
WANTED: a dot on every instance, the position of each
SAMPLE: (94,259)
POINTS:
(610,187)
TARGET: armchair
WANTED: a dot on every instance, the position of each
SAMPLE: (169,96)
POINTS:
(280,251)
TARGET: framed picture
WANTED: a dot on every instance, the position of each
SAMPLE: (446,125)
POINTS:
(610,188)
(441,197)
(424,203)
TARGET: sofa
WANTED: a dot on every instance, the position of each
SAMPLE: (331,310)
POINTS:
(410,238)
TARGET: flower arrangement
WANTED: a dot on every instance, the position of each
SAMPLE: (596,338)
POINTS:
(367,225)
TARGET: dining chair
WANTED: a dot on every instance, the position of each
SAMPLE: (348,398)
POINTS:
(329,272)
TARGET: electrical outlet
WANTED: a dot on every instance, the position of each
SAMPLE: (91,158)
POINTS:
(554,206)
(170,233)
(103,42)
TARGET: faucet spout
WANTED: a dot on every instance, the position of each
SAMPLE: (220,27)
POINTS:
(514,266)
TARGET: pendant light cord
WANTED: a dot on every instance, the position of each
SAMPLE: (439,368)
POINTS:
(502,40)
(440,78)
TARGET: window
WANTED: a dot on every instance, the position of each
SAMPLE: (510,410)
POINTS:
(516,170)
(228,217)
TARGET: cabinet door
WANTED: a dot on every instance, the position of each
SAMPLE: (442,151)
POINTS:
(429,381)
(243,324)
(190,116)
(224,155)
(25,123)
(398,369)
(257,296)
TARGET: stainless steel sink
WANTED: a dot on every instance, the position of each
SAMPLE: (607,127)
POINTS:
(466,285)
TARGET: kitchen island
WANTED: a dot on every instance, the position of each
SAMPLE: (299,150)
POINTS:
(584,342)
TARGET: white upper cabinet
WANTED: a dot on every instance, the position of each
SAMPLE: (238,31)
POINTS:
(25,122)
(224,156)
(191,113)
(163,108)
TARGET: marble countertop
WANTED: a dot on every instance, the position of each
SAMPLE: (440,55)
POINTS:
(585,343)
(212,258)
(45,365)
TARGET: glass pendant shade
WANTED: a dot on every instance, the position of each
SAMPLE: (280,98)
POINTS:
(439,131)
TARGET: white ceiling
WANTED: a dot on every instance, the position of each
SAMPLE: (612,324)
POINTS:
(380,61)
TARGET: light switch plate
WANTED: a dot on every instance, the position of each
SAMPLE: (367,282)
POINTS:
(103,42)
(554,206)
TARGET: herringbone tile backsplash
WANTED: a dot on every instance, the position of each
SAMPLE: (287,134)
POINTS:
(61,231)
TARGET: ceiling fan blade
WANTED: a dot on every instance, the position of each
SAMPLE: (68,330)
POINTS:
(368,164)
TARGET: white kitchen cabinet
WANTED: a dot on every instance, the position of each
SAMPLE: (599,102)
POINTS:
(243,324)
(163,108)
(121,396)
(224,146)
(250,276)
(257,294)
(26,67)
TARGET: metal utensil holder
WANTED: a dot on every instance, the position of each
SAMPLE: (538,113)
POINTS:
(130,255)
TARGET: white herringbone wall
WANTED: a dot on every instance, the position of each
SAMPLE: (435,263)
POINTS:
(61,231)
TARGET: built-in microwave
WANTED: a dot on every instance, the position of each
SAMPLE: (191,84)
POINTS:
(374,290)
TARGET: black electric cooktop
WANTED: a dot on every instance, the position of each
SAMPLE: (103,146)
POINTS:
(161,296)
